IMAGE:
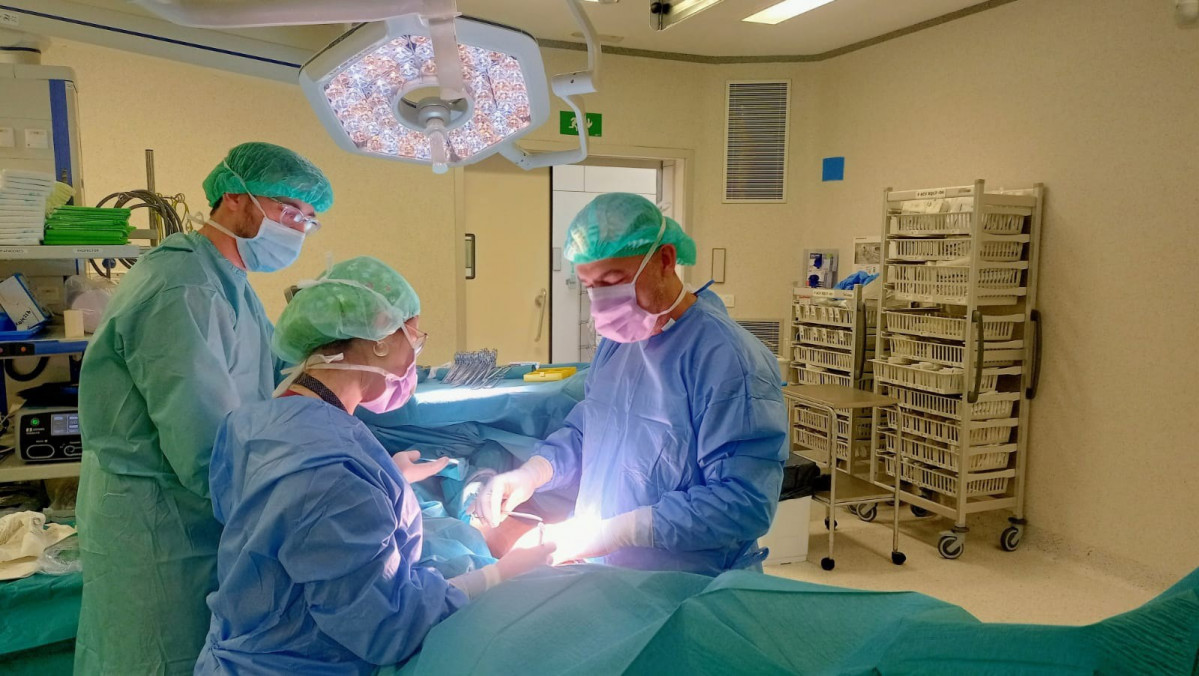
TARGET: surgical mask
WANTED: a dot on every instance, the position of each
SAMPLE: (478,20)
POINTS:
(616,312)
(275,247)
(397,390)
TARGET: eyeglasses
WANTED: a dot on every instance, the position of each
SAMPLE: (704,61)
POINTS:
(295,219)
(418,341)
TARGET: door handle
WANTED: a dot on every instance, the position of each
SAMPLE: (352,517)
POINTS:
(542,297)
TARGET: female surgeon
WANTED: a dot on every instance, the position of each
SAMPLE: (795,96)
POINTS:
(317,566)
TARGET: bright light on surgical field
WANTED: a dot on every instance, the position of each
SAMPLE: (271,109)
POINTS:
(419,83)
(378,90)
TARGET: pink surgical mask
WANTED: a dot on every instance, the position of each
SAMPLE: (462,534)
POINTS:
(396,392)
(617,314)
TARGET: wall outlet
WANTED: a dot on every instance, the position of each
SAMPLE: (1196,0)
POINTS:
(728,299)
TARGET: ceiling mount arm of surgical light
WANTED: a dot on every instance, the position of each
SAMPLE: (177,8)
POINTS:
(569,87)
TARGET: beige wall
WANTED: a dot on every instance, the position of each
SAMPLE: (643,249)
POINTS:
(1099,99)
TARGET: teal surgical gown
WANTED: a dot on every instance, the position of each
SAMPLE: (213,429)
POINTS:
(184,342)
(690,422)
(318,561)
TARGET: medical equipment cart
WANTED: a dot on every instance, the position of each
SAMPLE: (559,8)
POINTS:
(958,347)
(832,337)
(51,342)
(832,344)
(846,487)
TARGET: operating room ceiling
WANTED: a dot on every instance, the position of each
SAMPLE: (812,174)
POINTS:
(720,31)
(715,32)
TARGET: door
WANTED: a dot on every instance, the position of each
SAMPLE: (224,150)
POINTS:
(507,209)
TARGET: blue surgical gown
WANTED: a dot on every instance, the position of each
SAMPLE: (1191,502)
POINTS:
(317,563)
(184,341)
(691,423)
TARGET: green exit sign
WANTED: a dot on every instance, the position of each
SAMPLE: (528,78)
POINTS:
(568,125)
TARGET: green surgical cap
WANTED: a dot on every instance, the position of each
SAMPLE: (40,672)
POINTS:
(622,224)
(269,171)
(337,307)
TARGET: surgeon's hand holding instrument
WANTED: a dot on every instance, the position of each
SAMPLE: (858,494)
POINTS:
(505,492)
(587,538)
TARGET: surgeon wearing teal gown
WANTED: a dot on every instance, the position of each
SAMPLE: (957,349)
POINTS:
(184,341)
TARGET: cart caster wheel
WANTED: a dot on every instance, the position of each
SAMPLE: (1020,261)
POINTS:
(920,511)
(898,558)
(951,546)
(835,524)
(1010,539)
(827,563)
(867,512)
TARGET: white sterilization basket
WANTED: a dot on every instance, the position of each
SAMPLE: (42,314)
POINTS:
(941,382)
(815,356)
(989,406)
(982,458)
(957,223)
(995,354)
(951,284)
(945,484)
(818,420)
(809,376)
(828,337)
(918,250)
(995,432)
(946,327)
(818,442)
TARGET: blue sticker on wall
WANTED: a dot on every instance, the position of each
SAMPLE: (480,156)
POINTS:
(833,169)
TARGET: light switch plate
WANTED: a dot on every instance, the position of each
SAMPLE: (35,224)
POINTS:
(8,137)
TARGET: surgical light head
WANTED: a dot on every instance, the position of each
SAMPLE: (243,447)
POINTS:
(380,91)
(419,83)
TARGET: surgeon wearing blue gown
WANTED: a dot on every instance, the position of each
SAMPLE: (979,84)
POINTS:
(317,566)
(677,448)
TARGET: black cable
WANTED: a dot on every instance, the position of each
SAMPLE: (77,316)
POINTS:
(106,274)
(12,372)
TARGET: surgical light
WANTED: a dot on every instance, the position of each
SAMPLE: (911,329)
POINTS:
(788,9)
(419,83)
(362,85)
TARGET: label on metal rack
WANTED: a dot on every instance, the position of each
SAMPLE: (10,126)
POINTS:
(930,194)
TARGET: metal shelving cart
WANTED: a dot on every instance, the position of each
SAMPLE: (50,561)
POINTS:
(958,347)
(49,343)
(832,333)
(846,488)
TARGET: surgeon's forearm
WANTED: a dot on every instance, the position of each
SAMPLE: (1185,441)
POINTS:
(713,516)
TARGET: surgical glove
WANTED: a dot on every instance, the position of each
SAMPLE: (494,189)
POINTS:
(505,492)
(582,538)
(517,561)
(406,462)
